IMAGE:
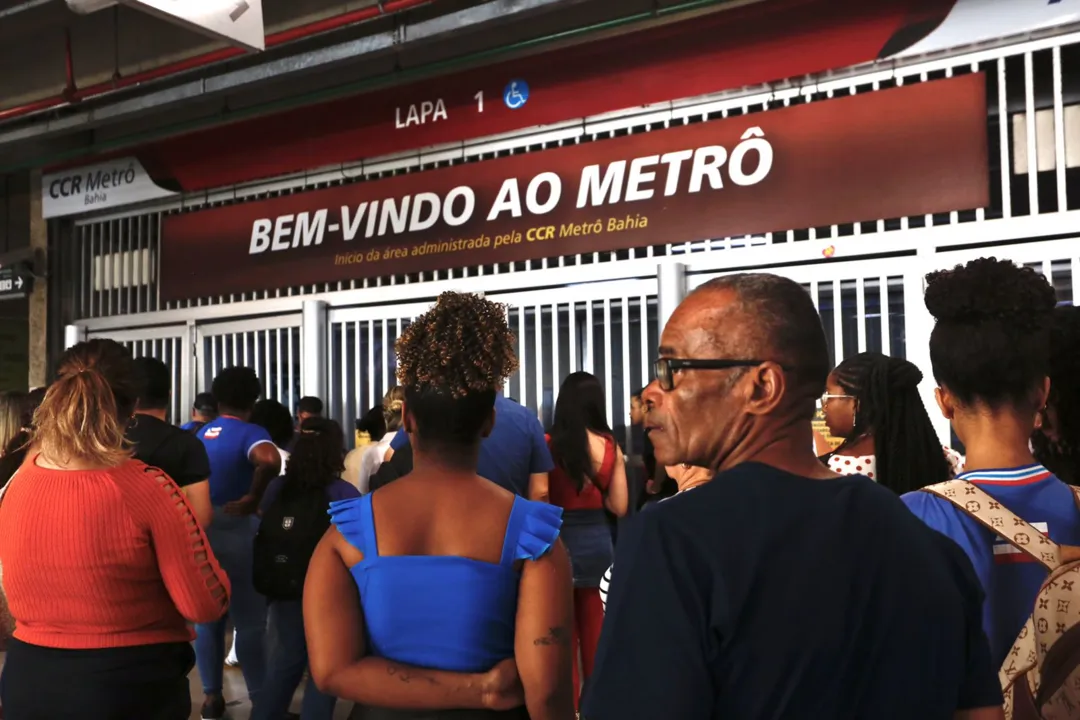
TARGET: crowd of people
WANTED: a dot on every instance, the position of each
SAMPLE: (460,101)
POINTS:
(462,561)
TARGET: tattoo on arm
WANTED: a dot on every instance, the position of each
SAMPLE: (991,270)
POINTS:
(555,636)
(405,676)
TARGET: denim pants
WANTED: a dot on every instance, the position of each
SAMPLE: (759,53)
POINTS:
(288,660)
(232,540)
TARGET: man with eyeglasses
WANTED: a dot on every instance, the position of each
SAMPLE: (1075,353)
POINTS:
(778,590)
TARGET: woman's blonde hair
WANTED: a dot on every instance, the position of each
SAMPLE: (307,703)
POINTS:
(85,412)
(11,420)
(392,404)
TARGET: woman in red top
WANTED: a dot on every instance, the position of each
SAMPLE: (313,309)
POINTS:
(104,564)
(589,478)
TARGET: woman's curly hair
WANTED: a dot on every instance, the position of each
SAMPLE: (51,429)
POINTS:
(461,346)
(451,362)
(991,343)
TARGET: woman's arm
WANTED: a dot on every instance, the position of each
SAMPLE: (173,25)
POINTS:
(267,461)
(617,497)
(196,583)
(544,626)
(334,625)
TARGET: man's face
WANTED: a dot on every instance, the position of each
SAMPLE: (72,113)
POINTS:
(700,420)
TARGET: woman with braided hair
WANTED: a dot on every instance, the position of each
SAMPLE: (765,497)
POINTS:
(872,401)
(1057,435)
(429,596)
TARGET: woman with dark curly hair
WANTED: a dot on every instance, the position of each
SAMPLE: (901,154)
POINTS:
(428,591)
(990,351)
(872,401)
(294,510)
(1057,436)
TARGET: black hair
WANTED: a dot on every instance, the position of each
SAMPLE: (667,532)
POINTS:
(636,394)
(317,459)
(276,419)
(205,403)
(451,360)
(373,423)
(155,383)
(786,329)
(991,343)
(237,388)
(579,409)
(1062,455)
(310,406)
(908,452)
(16,449)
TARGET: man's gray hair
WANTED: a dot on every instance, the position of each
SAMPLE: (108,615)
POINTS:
(787,327)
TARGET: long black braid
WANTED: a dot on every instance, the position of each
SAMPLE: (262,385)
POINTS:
(908,452)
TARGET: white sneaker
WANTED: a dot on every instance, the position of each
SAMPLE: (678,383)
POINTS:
(232,660)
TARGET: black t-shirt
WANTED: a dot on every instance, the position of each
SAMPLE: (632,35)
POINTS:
(180,454)
(400,465)
(763,595)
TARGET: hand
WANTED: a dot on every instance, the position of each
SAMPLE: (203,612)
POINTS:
(501,687)
(246,505)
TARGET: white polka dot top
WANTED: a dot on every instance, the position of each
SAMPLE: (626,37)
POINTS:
(867,465)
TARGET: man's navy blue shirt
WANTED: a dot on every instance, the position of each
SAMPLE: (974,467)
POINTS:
(516,448)
(763,595)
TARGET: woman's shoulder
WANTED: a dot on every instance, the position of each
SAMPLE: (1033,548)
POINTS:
(538,526)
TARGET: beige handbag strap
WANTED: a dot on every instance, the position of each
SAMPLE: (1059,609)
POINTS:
(977,504)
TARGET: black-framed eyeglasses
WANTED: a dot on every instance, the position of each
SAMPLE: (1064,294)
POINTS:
(665,368)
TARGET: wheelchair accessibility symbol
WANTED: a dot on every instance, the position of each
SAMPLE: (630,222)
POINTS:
(516,94)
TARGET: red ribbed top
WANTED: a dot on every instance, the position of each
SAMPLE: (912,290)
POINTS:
(105,558)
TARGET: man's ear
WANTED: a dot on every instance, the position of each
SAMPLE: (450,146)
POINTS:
(767,388)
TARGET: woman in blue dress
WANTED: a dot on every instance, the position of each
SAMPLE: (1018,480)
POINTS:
(431,596)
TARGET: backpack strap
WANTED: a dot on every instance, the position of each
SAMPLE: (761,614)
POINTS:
(977,504)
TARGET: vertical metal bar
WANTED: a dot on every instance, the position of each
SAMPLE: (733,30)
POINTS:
(385,354)
(575,344)
(361,406)
(124,299)
(82,232)
(246,337)
(332,378)
(291,377)
(646,351)
(371,360)
(609,365)
(590,339)
(340,368)
(1074,280)
(137,269)
(256,364)
(538,333)
(626,383)
(886,319)
(155,260)
(814,295)
(1003,141)
(1047,269)
(838,323)
(1059,134)
(107,258)
(279,367)
(1032,145)
(556,360)
(523,358)
(860,312)
(95,236)
(213,360)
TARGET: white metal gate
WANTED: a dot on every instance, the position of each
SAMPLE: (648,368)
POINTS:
(272,346)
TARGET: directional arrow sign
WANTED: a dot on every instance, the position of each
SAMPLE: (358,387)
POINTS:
(16,281)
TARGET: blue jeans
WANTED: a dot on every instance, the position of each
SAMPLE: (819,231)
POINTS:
(233,539)
(288,660)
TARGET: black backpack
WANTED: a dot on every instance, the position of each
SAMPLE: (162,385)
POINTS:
(290,531)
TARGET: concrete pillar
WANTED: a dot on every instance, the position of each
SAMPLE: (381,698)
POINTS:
(315,338)
(671,290)
(39,298)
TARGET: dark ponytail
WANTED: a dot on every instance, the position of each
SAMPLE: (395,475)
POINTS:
(908,453)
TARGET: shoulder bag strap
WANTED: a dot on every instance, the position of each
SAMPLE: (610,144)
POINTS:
(998,519)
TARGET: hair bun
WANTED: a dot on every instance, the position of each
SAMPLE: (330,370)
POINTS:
(989,290)
(903,375)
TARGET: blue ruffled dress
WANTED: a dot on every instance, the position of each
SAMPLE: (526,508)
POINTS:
(443,612)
